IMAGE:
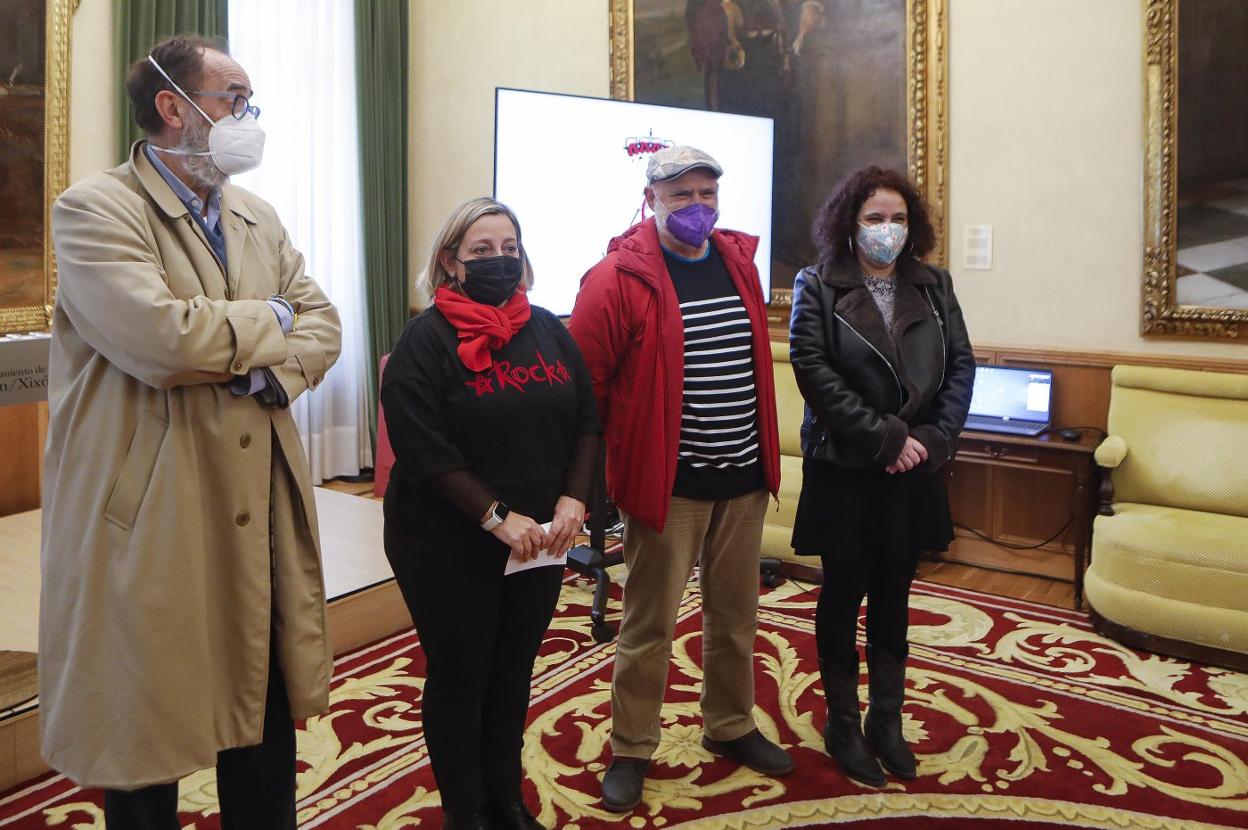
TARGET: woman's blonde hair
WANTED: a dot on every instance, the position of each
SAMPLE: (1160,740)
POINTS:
(452,233)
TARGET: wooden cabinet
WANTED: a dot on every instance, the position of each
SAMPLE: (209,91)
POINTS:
(23,432)
(1024,505)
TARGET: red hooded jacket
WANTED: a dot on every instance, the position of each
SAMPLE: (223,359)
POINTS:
(628,325)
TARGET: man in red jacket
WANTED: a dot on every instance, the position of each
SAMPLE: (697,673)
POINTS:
(673,327)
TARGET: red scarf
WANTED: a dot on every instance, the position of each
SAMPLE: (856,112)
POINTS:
(482,329)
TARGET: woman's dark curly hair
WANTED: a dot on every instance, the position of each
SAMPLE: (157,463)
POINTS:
(837,222)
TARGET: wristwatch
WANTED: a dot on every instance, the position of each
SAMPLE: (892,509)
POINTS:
(498,512)
(294,315)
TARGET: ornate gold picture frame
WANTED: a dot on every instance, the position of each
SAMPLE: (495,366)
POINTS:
(926,102)
(35,286)
(1161,313)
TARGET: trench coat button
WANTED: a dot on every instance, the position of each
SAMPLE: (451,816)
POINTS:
(316,381)
(238,367)
(242,519)
(245,440)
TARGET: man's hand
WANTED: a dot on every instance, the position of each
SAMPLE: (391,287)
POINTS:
(912,455)
(521,534)
(569,516)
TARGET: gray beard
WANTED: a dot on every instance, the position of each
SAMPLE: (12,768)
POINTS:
(200,168)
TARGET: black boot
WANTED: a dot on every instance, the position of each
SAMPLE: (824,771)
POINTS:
(458,820)
(512,816)
(842,736)
(886,680)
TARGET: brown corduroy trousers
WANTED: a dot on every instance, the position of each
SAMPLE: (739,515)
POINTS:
(723,537)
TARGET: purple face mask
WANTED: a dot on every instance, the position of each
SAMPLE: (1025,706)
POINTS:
(692,224)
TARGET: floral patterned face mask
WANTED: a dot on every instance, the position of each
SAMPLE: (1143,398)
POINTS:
(882,243)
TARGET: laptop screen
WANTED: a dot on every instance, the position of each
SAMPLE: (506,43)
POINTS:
(1012,394)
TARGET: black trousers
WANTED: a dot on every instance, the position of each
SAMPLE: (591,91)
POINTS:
(886,585)
(255,784)
(480,632)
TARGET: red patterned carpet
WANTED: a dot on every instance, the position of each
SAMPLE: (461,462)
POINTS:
(1018,712)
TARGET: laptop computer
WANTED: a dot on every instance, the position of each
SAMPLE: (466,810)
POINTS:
(1010,400)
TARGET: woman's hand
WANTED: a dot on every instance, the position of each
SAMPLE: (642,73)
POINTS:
(912,455)
(521,534)
(569,516)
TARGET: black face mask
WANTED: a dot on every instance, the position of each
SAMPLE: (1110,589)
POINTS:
(492,279)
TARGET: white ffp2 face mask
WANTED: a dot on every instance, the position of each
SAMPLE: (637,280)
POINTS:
(235,145)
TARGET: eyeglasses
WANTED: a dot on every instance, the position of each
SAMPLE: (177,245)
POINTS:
(241,104)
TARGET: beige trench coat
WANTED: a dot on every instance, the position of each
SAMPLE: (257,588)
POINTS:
(178,518)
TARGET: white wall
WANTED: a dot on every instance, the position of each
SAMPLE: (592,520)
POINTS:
(1046,145)
(92,93)
(461,51)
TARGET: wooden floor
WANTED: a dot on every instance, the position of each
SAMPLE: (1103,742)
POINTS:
(354,488)
(354,560)
(365,602)
(1018,586)
(19,581)
(351,546)
(364,605)
(1031,588)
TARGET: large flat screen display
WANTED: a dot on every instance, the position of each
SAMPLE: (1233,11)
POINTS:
(573,169)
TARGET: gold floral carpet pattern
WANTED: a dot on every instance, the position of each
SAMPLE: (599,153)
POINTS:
(1018,713)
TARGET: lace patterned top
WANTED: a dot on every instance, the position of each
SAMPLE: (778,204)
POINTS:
(884,292)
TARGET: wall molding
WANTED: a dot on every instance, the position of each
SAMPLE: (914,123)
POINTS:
(1108,360)
(779,332)
(1081,378)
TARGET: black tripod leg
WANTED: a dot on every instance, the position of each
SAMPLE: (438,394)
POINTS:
(603,632)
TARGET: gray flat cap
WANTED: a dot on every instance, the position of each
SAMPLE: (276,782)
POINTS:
(671,162)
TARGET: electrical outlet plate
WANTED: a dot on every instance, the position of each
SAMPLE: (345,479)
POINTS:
(977,248)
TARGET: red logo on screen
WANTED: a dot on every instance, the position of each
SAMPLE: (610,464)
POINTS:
(635,146)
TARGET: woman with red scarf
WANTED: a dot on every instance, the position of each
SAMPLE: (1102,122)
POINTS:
(491,415)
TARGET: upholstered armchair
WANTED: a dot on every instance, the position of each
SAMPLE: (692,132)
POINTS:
(1169,568)
(778,523)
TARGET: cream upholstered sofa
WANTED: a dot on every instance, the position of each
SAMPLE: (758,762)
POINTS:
(778,524)
(1169,565)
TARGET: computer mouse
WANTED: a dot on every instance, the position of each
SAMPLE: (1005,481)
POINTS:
(1071,434)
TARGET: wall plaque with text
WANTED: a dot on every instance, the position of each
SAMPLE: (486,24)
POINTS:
(24,368)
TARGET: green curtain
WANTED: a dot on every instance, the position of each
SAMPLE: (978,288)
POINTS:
(381,81)
(138,25)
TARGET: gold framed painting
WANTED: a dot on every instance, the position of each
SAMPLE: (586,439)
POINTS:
(1195,283)
(849,83)
(34,155)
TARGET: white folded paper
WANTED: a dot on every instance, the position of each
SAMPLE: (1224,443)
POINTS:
(514,565)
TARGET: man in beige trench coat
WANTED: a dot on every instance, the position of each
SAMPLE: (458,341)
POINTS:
(183,609)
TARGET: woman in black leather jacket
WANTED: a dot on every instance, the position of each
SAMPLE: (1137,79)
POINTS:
(881,355)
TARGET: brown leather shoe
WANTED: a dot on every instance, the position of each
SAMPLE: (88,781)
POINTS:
(621,786)
(754,751)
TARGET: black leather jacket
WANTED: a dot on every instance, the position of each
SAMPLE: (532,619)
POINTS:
(866,387)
